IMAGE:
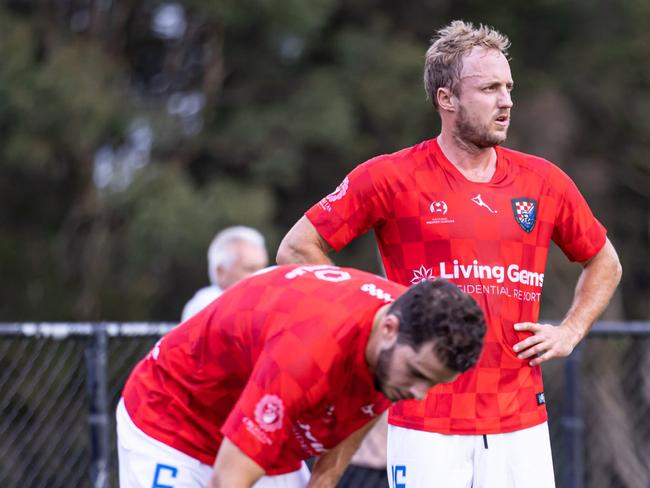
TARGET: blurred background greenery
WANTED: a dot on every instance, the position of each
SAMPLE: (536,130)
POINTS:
(131,131)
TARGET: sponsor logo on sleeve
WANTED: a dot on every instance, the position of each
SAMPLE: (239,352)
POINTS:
(336,195)
(307,440)
(525,212)
(256,432)
(269,413)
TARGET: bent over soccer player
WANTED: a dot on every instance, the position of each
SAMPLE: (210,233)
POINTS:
(291,363)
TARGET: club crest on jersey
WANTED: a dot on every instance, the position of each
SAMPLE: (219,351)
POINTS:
(525,211)
(269,412)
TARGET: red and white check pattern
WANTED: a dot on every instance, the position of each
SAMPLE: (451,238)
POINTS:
(524,207)
(392,195)
(275,364)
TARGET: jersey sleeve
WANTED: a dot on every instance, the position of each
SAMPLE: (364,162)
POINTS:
(576,231)
(284,379)
(358,204)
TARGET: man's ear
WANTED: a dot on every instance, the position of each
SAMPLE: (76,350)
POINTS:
(390,327)
(446,99)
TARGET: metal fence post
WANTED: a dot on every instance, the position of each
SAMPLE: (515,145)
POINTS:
(98,421)
(572,422)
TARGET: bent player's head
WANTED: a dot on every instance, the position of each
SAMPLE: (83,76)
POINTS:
(431,334)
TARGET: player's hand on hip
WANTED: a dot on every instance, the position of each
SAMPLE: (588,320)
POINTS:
(546,342)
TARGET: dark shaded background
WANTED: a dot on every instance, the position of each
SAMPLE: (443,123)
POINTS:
(130,131)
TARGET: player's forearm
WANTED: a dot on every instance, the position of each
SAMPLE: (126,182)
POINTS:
(233,468)
(330,466)
(595,288)
(228,482)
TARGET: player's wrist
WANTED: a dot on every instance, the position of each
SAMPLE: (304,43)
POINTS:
(575,332)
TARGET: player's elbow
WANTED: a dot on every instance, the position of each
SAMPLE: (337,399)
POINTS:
(286,252)
(616,268)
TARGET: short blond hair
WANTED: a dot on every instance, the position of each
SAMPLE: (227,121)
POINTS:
(444,58)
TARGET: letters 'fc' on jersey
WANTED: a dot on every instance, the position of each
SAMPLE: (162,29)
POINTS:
(491,239)
(276,364)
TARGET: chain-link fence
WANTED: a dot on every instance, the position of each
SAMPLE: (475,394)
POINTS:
(60,383)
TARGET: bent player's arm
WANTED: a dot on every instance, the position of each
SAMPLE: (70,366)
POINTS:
(233,468)
(330,466)
(303,244)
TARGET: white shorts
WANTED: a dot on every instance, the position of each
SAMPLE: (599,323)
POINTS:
(145,462)
(521,459)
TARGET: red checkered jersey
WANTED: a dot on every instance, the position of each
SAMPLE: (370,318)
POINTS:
(491,239)
(276,364)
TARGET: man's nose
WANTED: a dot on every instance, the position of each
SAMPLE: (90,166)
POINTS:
(505,100)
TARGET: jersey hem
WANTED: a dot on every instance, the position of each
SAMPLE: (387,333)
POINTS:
(503,430)
(182,447)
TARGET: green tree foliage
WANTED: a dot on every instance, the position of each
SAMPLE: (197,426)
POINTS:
(124,148)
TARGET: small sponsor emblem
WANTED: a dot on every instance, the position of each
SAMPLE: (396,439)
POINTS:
(313,446)
(525,211)
(439,207)
(541,399)
(269,412)
(479,201)
(369,410)
(439,210)
(422,274)
(337,194)
(256,432)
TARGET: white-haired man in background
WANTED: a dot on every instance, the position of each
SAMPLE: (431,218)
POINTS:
(234,253)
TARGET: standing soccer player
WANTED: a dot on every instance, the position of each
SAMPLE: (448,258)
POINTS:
(464,208)
(291,363)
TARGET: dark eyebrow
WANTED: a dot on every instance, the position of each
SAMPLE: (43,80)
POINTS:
(419,374)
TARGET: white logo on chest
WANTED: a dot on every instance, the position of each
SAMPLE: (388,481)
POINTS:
(479,201)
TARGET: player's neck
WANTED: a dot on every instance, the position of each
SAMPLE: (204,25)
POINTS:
(372,347)
(476,164)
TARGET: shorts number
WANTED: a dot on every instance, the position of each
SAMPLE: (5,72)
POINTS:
(398,474)
(171,472)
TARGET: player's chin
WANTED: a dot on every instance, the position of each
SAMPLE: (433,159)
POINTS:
(397,396)
(391,394)
(499,136)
